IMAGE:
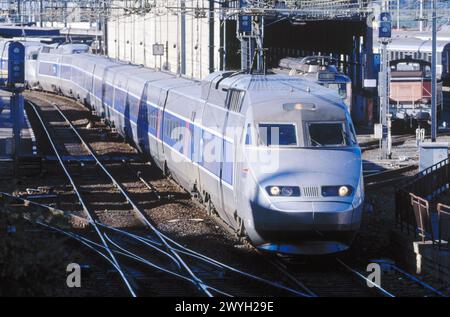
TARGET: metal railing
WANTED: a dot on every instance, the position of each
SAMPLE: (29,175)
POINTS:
(444,226)
(415,201)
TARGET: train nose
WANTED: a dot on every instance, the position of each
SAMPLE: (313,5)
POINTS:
(317,215)
(305,227)
(310,221)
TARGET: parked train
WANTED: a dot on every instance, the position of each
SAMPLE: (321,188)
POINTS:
(322,70)
(275,156)
(417,48)
(410,91)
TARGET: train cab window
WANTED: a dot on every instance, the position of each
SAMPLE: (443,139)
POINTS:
(278,134)
(322,134)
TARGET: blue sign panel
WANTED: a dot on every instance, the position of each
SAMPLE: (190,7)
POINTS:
(245,21)
(16,63)
(377,62)
(385,25)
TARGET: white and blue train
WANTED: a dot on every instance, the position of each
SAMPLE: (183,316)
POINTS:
(275,156)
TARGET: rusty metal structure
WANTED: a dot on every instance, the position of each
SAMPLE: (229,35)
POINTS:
(419,208)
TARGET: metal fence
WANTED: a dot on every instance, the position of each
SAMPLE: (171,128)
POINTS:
(415,204)
(444,226)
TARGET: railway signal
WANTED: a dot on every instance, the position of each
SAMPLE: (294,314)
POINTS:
(384,36)
(15,81)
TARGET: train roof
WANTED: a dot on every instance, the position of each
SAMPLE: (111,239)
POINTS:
(414,45)
(275,88)
(15,31)
(279,87)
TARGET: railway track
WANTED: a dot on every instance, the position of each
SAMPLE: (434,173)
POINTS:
(347,279)
(103,197)
(396,140)
(387,177)
(216,277)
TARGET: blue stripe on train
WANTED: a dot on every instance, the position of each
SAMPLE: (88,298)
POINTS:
(209,157)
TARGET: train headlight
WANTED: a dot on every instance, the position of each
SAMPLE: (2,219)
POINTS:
(274,191)
(287,191)
(337,191)
(284,191)
(344,191)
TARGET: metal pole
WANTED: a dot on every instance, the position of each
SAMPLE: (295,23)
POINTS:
(16,108)
(433,77)
(421,15)
(384,102)
(211,35)
(41,11)
(398,14)
(19,10)
(183,37)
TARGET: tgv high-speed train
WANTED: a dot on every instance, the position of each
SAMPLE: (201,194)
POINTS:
(322,70)
(275,156)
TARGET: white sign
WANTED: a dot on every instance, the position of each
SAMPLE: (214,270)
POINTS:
(378,131)
(370,83)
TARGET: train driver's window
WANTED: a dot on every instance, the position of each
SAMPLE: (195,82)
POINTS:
(323,134)
(277,134)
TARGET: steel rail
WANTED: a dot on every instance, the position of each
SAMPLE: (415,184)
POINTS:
(413,278)
(128,254)
(137,210)
(82,202)
(232,269)
(218,264)
(160,251)
(131,235)
(165,239)
(362,277)
(143,260)
(278,265)
(421,283)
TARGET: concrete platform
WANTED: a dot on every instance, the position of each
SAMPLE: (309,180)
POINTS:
(424,258)
(28,146)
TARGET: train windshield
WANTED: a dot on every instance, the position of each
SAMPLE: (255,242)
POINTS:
(333,134)
(278,134)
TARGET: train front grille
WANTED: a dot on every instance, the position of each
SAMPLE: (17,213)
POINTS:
(310,191)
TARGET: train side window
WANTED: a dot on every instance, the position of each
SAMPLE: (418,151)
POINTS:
(234,100)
